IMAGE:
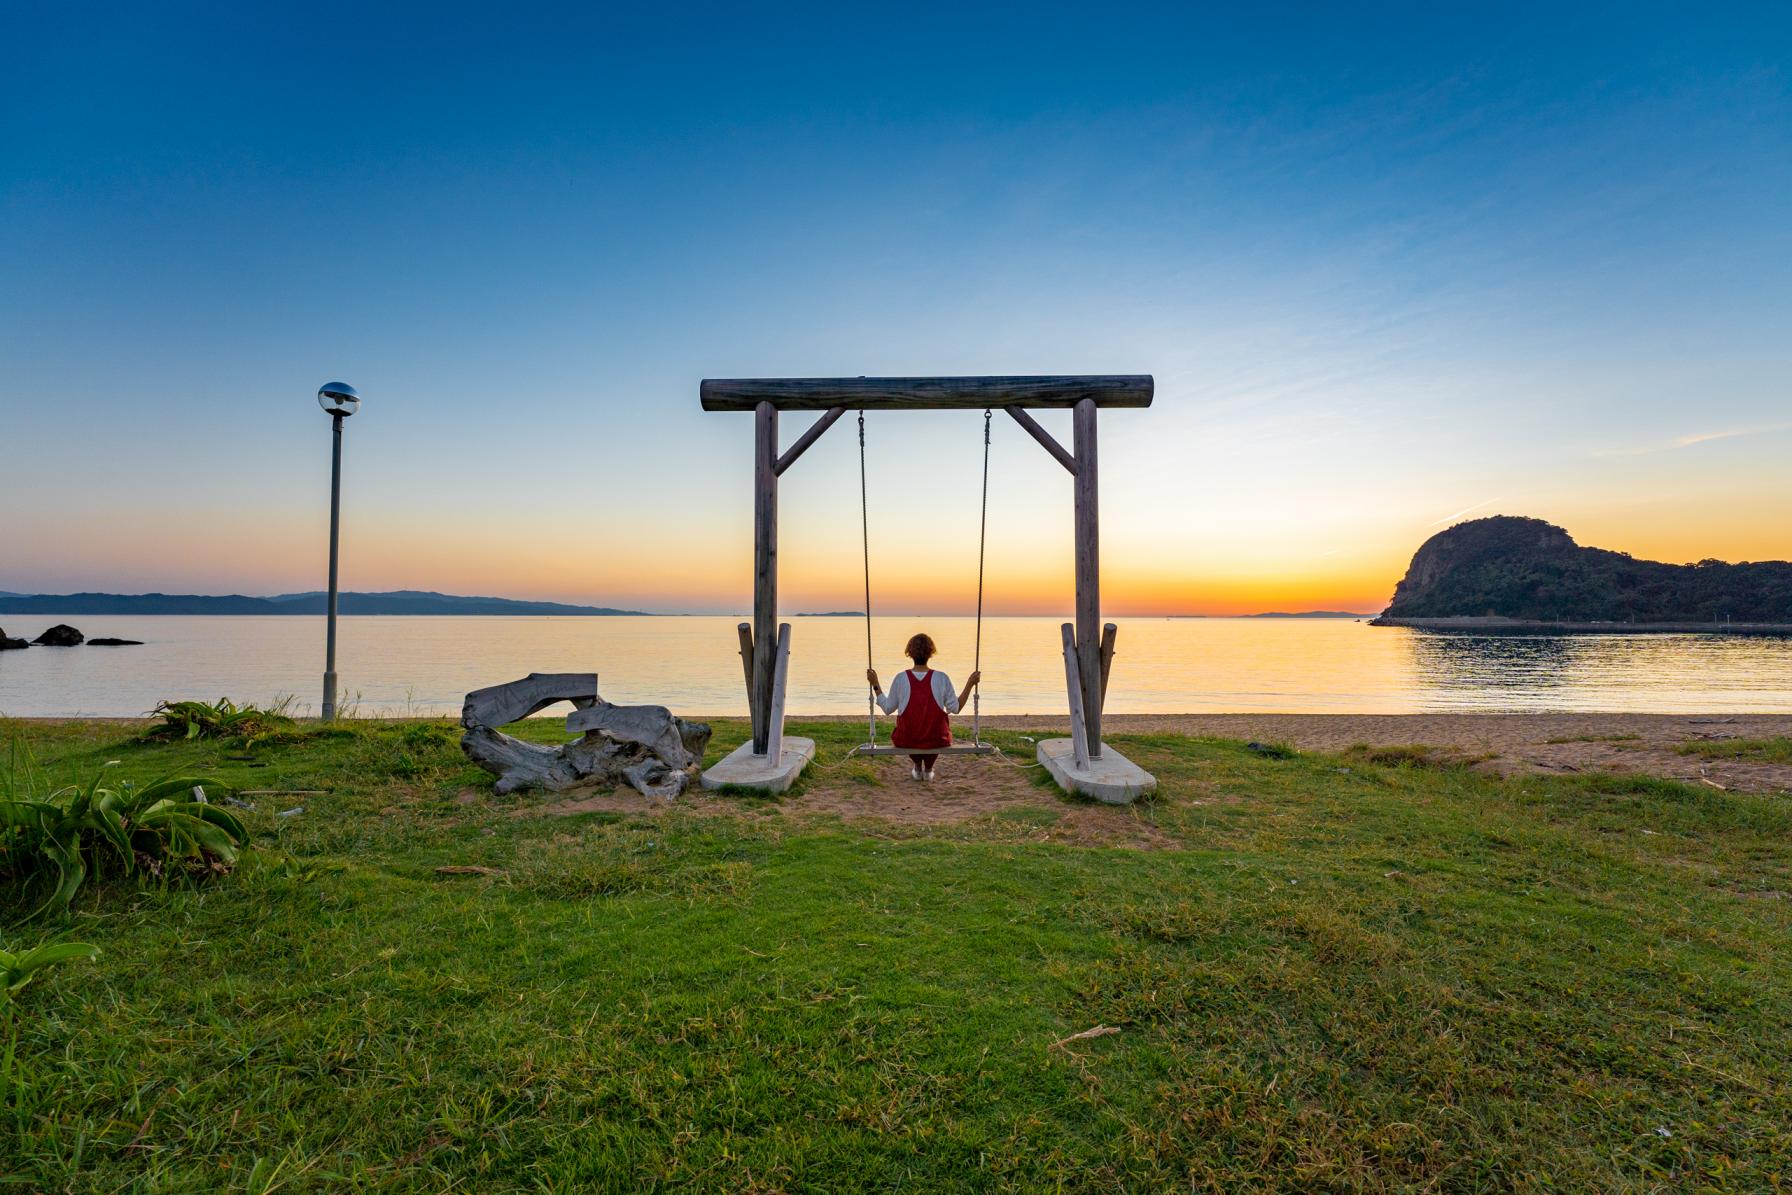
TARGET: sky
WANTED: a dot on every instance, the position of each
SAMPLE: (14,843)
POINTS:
(1392,266)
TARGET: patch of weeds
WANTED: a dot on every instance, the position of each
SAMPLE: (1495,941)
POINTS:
(618,864)
(1028,815)
(1769,750)
(1414,755)
(245,725)
(424,736)
(1332,937)
(1161,921)
(1594,738)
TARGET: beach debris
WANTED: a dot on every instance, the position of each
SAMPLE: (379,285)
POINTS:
(1085,1035)
(1270,750)
(643,746)
(293,812)
(468,869)
(60,635)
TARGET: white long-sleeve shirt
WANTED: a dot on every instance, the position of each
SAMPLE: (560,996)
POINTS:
(895,699)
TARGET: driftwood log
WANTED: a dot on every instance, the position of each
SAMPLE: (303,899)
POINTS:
(640,745)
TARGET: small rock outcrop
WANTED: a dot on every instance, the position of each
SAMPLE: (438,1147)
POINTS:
(60,635)
(11,644)
(640,745)
(105,642)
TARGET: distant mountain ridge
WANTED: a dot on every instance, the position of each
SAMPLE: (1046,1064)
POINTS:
(1522,568)
(398,601)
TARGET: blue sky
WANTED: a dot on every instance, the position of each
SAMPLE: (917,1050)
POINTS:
(1386,267)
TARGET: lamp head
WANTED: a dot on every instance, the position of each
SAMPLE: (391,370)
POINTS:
(338,398)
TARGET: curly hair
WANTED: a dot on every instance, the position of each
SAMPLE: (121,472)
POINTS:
(920,649)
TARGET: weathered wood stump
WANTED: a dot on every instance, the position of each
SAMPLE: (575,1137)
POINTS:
(641,745)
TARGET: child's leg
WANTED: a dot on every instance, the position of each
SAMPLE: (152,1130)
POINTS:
(926,762)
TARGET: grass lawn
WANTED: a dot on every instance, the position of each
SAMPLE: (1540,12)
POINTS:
(1348,973)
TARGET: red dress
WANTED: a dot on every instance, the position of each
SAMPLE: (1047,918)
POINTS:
(922,722)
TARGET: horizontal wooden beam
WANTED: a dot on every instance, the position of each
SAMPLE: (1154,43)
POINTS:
(1045,439)
(926,394)
(807,438)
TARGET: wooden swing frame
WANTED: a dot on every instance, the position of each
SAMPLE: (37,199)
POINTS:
(1088,644)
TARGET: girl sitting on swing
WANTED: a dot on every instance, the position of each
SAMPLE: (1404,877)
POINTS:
(921,698)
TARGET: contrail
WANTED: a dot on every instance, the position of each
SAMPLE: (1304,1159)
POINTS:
(1463,511)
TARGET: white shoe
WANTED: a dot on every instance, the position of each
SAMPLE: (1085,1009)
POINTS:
(927,777)
(915,773)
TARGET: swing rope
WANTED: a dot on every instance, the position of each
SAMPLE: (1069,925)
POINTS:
(982,538)
(865,528)
(982,541)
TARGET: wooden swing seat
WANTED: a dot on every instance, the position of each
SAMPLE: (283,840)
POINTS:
(955,749)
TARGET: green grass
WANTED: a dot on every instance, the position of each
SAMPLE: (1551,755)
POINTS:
(1351,975)
(1772,750)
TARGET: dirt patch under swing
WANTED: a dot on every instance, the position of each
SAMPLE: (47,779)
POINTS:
(991,795)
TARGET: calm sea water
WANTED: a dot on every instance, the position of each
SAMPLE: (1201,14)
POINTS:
(425,665)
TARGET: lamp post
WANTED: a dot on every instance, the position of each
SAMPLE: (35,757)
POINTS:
(339,401)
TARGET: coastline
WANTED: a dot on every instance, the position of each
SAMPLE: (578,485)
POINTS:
(1496,623)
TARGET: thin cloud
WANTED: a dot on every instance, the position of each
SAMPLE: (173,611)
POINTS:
(1696,438)
(1463,511)
(1706,438)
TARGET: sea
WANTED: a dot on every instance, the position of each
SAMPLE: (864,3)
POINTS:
(399,666)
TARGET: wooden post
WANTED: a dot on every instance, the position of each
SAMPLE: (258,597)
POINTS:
(765,570)
(1073,685)
(774,749)
(1107,659)
(746,662)
(1088,573)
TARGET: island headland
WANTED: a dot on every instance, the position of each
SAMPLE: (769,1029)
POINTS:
(1511,573)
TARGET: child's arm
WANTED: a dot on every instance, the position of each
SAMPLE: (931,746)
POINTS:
(969,684)
(886,703)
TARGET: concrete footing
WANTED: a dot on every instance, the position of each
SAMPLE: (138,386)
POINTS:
(742,769)
(1111,778)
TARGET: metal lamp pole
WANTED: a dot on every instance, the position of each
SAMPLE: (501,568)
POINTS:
(339,401)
